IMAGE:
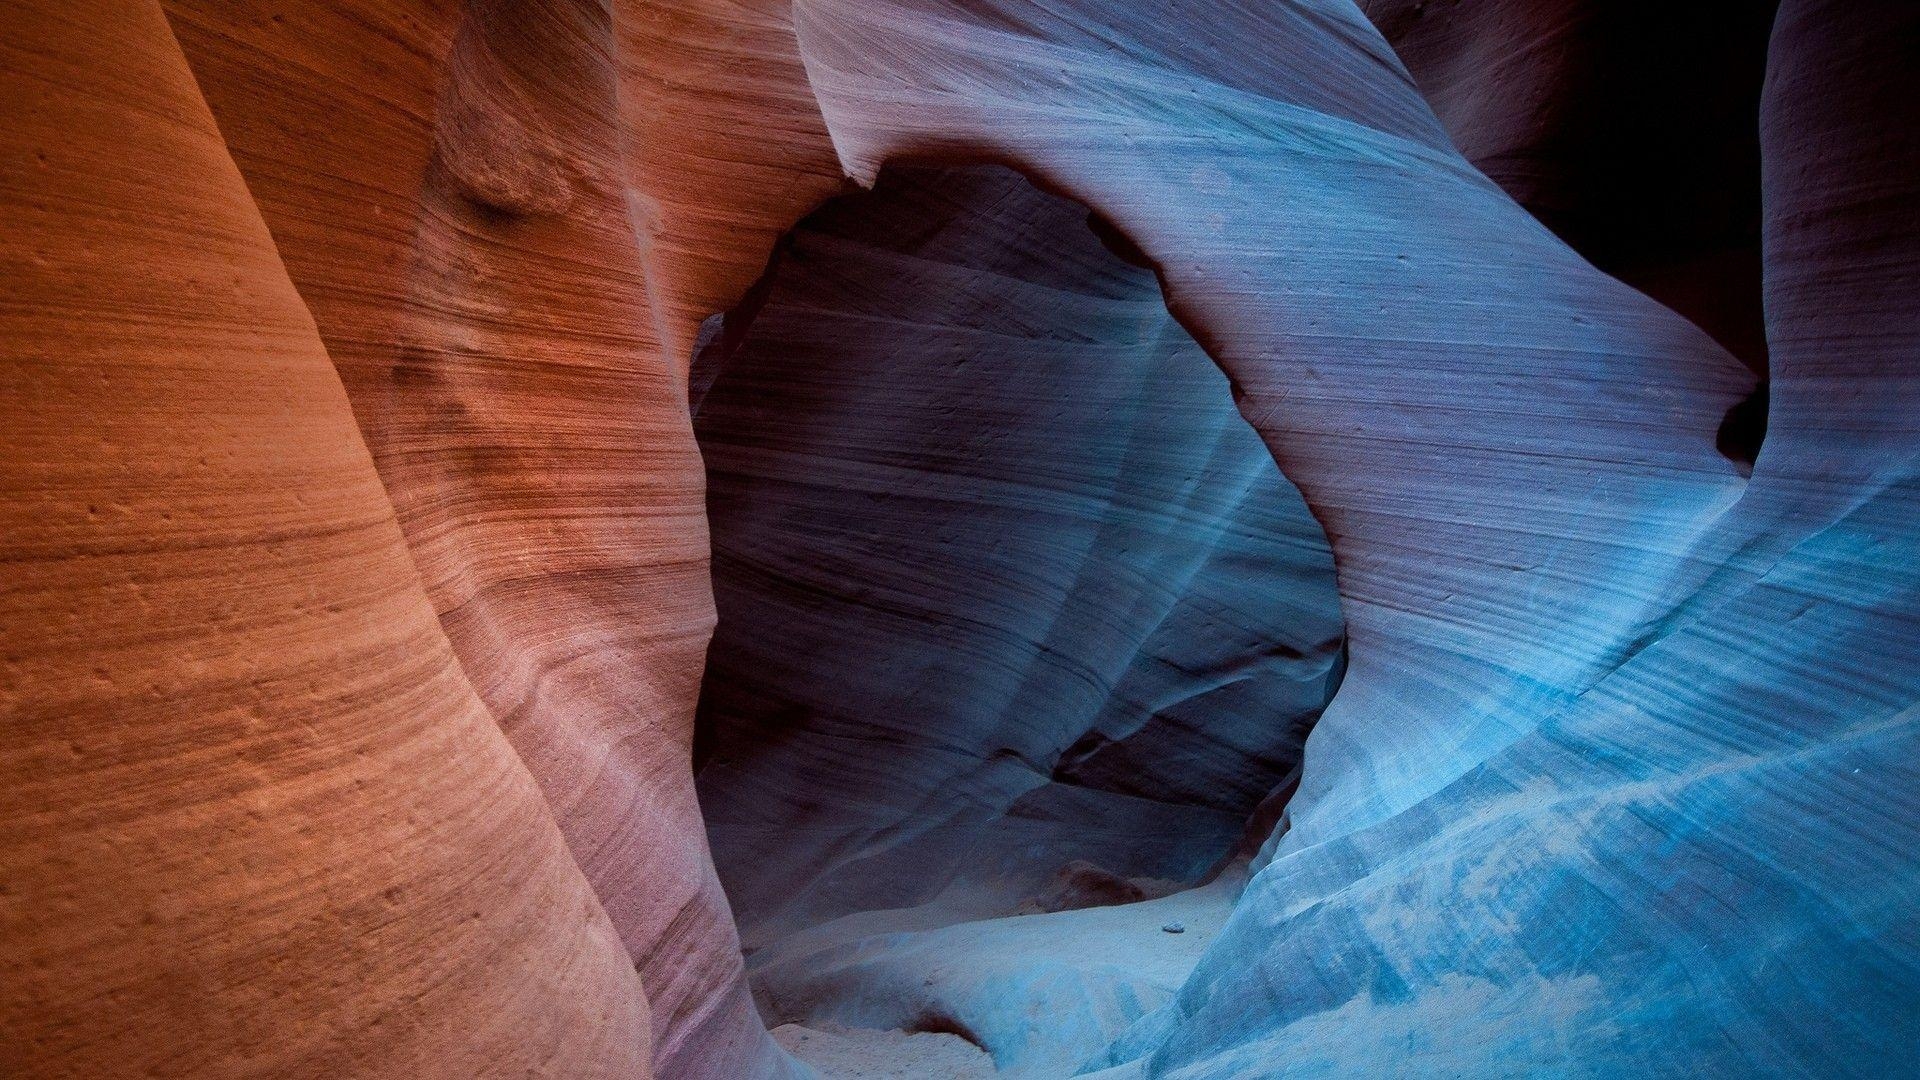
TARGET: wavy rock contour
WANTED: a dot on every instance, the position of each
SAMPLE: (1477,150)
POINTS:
(357,594)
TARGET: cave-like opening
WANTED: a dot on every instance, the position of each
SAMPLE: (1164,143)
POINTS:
(1017,617)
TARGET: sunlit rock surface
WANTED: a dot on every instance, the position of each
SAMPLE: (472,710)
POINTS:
(484,256)
(451,189)
(323,319)
(255,820)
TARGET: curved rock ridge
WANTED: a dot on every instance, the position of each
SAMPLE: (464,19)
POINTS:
(1005,582)
(470,199)
(452,191)
(254,820)
(695,75)
(1559,791)
(1514,464)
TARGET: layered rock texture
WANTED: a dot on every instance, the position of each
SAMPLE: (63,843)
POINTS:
(355,590)
(257,822)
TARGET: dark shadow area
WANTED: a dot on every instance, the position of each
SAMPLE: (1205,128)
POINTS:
(1744,429)
(1016,611)
(1628,127)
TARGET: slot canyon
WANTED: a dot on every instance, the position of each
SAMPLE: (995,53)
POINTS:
(939,539)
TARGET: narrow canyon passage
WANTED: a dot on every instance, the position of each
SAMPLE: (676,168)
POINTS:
(1017,616)
(375,472)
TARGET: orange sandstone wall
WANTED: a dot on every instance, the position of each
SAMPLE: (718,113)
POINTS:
(726,148)
(254,819)
(489,209)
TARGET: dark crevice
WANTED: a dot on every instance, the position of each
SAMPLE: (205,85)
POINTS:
(1017,615)
(1744,429)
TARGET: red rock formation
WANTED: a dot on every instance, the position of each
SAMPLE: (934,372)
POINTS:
(489,313)
(710,201)
(255,821)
